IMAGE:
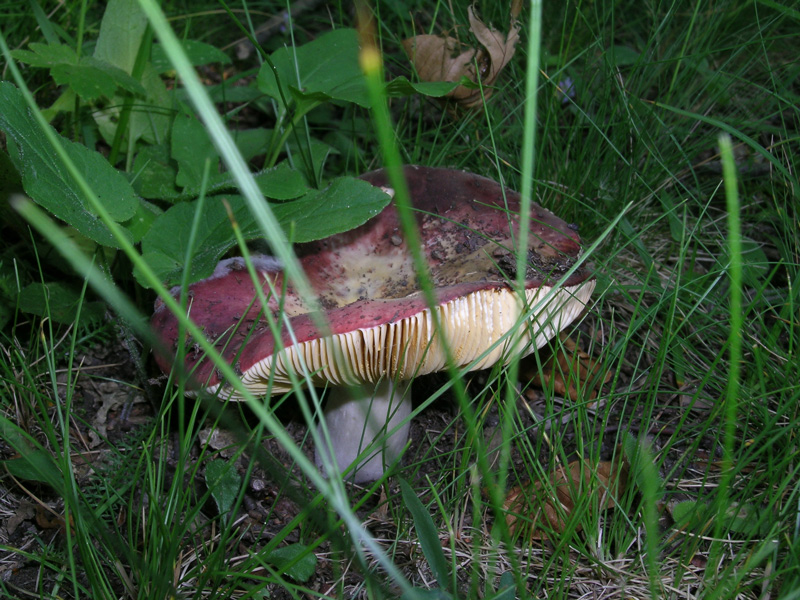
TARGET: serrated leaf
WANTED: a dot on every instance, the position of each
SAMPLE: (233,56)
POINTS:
(92,79)
(199,53)
(164,245)
(294,560)
(87,82)
(46,55)
(47,181)
(345,204)
(325,69)
(281,182)
(223,482)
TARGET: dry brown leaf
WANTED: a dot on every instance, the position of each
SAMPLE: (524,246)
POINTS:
(439,58)
(567,369)
(546,507)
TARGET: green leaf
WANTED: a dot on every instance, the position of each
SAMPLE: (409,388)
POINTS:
(223,482)
(345,204)
(36,465)
(47,181)
(428,535)
(121,33)
(164,245)
(46,55)
(507,588)
(622,56)
(153,174)
(191,147)
(325,69)
(141,222)
(92,79)
(199,53)
(401,86)
(295,560)
(281,182)
(59,302)
(251,142)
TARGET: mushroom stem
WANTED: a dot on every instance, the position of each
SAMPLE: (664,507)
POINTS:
(356,423)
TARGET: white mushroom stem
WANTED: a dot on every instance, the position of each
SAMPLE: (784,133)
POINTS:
(358,423)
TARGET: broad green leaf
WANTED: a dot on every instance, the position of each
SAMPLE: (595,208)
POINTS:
(139,224)
(10,181)
(312,154)
(401,86)
(345,204)
(35,465)
(251,142)
(46,55)
(622,56)
(153,173)
(199,53)
(92,78)
(58,302)
(164,246)
(325,69)
(47,181)
(295,560)
(698,517)
(229,91)
(281,182)
(152,115)
(121,33)
(223,482)
(191,147)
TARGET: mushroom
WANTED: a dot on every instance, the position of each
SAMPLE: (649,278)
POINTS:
(381,330)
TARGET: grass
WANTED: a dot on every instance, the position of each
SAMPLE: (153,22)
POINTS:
(678,136)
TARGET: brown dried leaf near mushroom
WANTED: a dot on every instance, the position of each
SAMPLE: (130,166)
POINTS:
(545,508)
(381,331)
(438,58)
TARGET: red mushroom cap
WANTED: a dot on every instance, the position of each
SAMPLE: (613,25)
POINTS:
(380,324)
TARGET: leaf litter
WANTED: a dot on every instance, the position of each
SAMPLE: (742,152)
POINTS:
(546,506)
(444,58)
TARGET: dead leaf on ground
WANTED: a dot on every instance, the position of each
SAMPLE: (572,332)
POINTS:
(568,370)
(545,507)
(438,58)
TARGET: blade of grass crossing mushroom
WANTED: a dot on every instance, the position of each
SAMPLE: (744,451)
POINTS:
(526,200)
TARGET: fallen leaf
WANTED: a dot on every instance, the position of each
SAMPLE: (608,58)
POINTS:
(545,507)
(568,369)
(438,58)
(46,518)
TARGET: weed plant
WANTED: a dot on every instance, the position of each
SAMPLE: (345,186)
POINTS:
(669,133)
